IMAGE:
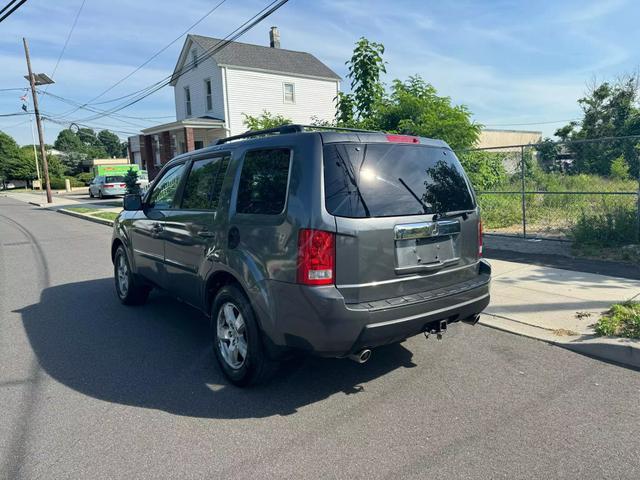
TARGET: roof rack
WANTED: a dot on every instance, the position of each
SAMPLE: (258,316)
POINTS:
(284,129)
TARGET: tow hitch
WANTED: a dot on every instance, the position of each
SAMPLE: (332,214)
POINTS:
(436,328)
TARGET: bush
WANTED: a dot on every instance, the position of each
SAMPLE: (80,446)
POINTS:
(485,169)
(58,183)
(131,181)
(622,319)
(619,169)
(614,224)
(85,177)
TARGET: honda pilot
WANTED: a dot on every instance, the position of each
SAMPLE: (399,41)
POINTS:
(326,241)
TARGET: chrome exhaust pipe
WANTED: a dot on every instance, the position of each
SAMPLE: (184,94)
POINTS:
(362,356)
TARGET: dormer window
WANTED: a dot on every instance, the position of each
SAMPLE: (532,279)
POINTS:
(194,58)
(208,92)
(187,101)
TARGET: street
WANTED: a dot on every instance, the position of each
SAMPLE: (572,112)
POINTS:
(92,389)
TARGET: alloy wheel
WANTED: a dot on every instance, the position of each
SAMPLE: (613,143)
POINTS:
(232,335)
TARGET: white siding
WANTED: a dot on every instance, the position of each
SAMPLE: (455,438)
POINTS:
(251,92)
(194,79)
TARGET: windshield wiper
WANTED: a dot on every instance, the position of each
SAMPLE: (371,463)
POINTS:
(413,194)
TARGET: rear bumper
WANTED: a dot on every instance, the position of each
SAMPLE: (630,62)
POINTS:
(114,191)
(316,319)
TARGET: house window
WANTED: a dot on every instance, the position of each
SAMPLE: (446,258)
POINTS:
(289,93)
(156,150)
(187,100)
(207,89)
(194,58)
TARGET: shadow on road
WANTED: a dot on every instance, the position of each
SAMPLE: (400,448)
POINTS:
(159,356)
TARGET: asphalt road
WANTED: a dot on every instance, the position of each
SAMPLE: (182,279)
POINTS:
(92,389)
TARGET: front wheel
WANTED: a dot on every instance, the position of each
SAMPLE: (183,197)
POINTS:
(237,339)
(129,289)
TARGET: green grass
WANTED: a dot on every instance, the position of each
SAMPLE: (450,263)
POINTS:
(81,209)
(622,320)
(106,215)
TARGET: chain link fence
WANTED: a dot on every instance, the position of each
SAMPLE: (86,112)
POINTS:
(580,191)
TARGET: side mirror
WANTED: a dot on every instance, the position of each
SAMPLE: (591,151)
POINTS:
(132,202)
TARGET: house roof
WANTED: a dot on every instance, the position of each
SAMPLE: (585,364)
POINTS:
(238,54)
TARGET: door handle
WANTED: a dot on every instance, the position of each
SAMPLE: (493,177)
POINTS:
(157,228)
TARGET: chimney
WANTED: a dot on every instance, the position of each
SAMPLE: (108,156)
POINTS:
(274,37)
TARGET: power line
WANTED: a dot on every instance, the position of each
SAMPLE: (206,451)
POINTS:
(7,6)
(159,51)
(66,42)
(245,27)
(13,9)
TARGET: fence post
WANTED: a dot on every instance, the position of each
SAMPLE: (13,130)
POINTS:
(524,200)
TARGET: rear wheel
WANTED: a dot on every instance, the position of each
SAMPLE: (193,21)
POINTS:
(90,194)
(100,195)
(129,289)
(237,339)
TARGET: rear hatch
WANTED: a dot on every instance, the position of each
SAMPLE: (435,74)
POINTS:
(406,220)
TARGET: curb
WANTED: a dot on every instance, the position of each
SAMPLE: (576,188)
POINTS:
(84,216)
(622,351)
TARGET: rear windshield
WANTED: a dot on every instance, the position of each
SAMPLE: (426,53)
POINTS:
(114,179)
(382,180)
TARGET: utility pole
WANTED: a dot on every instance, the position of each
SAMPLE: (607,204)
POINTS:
(34,95)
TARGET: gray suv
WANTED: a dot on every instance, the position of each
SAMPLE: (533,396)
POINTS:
(331,242)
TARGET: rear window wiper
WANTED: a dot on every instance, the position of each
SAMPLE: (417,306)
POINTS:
(353,182)
(462,213)
(425,208)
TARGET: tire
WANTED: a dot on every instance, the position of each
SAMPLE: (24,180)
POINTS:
(100,195)
(90,194)
(252,366)
(129,289)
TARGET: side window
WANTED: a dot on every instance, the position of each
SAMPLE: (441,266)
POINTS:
(164,192)
(202,190)
(263,182)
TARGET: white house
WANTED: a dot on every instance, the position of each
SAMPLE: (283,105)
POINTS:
(213,90)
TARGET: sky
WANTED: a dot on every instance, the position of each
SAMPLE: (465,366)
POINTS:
(514,64)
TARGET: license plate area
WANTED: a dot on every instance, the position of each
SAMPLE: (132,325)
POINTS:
(430,246)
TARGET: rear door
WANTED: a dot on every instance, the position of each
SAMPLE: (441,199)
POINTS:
(192,231)
(406,219)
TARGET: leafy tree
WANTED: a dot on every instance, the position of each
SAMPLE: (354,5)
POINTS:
(365,68)
(11,159)
(264,121)
(111,143)
(68,141)
(414,107)
(131,181)
(609,110)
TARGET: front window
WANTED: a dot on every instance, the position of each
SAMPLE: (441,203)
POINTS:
(164,191)
(263,182)
(289,93)
(207,89)
(187,100)
(382,180)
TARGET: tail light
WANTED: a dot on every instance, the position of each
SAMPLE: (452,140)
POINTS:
(479,238)
(316,257)
(109,185)
(122,185)
(402,139)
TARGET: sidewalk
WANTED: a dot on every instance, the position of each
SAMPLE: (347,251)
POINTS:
(560,307)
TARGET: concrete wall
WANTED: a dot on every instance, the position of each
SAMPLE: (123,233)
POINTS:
(501,138)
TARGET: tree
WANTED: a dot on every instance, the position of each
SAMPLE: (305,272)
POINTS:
(264,121)
(111,143)
(68,141)
(609,110)
(365,68)
(414,107)
(548,152)
(411,106)
(12,162)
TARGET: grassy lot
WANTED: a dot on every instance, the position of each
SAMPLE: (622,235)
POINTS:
(622,320)
(594,222)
